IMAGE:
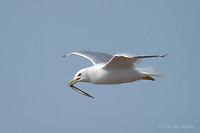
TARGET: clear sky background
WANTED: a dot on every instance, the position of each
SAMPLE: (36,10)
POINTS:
(35,34)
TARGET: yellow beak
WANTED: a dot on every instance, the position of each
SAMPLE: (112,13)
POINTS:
(72,82)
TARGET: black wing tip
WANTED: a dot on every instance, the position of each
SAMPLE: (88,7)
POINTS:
(162,55)
(66,55)
(152,56)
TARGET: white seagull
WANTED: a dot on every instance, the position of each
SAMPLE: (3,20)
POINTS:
(108,69)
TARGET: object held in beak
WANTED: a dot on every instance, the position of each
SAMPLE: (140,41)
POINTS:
(71,84)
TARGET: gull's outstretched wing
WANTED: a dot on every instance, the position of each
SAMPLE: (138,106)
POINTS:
(94,57)
(125,60)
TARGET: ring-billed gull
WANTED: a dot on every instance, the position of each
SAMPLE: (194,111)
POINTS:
(108,69)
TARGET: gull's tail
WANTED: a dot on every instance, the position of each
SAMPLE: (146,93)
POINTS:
(149,71)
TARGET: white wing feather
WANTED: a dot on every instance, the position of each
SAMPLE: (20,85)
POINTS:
(122,61)
(118,61)
(94,57)
(126,60)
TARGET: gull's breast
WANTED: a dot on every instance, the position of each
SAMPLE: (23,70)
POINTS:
(118,76)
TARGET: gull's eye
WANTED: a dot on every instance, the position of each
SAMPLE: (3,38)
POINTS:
(79,74)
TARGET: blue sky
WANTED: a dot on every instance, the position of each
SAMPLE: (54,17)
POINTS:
(34,35)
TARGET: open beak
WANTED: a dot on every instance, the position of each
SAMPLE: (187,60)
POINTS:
(72,82)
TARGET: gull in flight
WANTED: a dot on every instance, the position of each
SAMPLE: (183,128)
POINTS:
(108,69)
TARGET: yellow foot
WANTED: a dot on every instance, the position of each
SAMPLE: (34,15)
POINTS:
(148,78)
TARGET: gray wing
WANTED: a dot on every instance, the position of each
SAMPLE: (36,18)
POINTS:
(125,60)
(94,57)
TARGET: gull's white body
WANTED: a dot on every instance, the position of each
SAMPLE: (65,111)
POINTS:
(98,75)
(108,69)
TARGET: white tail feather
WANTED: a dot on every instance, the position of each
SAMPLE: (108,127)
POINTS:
(149,71)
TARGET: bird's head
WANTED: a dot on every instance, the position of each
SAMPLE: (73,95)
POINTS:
(80,76)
